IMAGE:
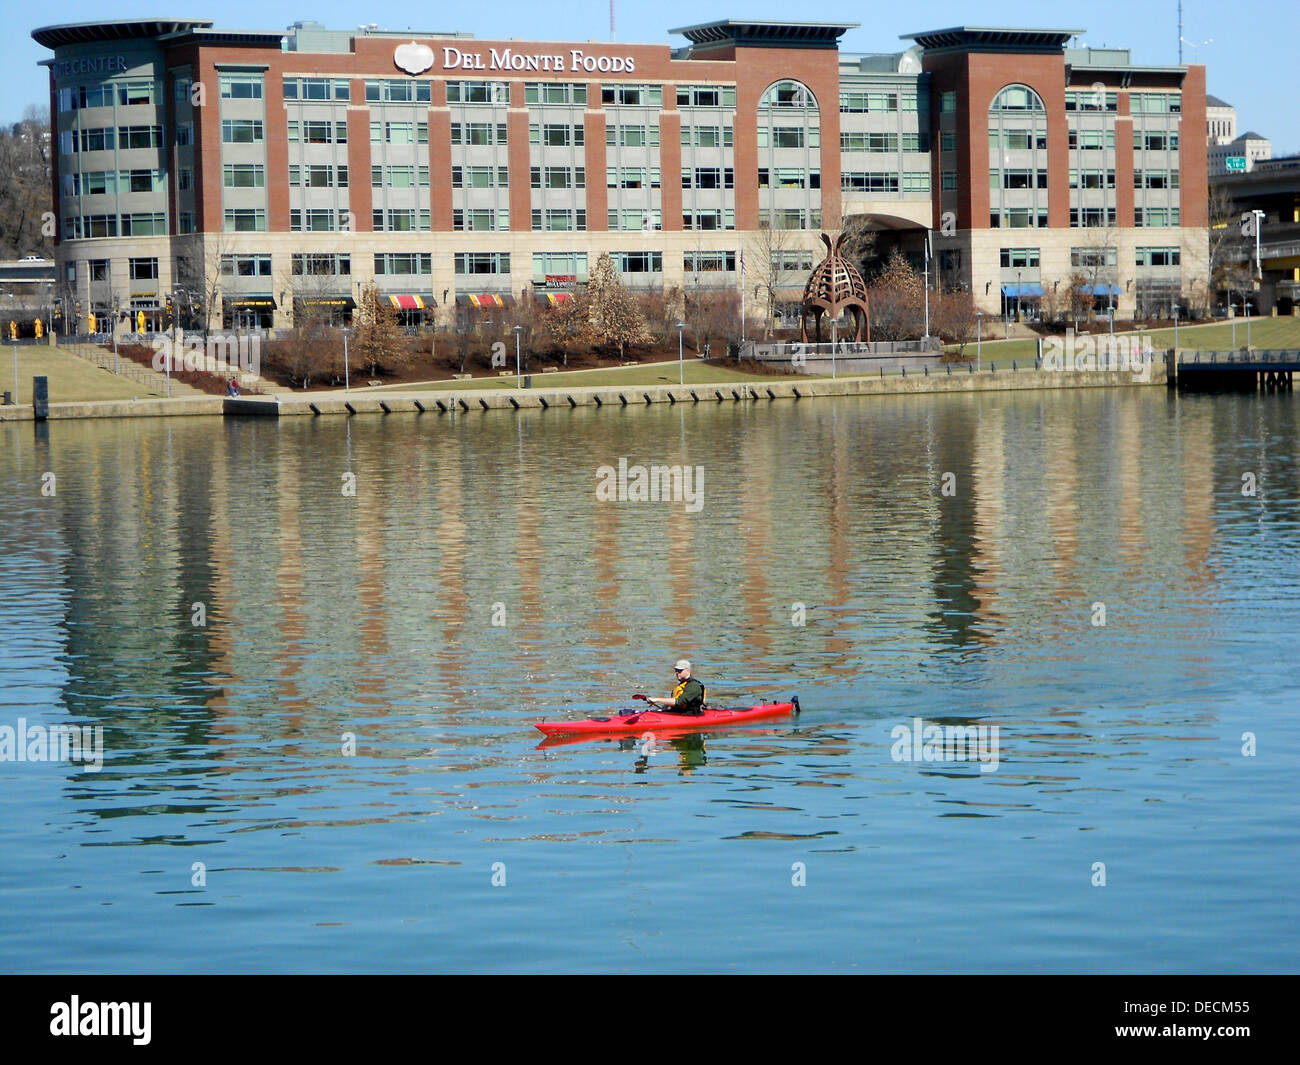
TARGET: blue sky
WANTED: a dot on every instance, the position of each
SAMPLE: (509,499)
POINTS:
(1251,62)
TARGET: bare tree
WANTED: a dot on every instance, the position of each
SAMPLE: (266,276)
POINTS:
(859,241)
(954,317)
(25,195)
(896,298)
(613,315)
(380,340)
(768,249)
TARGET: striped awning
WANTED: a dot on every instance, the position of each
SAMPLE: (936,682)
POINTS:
(412,302)
(554,298)
(483,300)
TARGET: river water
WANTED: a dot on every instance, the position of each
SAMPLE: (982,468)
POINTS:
(317,691)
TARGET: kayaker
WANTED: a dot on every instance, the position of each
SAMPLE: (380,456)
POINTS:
(689,695)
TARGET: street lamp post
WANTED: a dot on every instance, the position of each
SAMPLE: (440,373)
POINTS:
(519,370)
(1246,310)
(927,285)
(979,337)
(117,308)
(1259,222)
(681,365)
(347,384)
(1175,328)
(1019,288)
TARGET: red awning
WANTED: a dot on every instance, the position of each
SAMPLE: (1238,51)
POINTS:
(410,303)
(554,298)
(487,299)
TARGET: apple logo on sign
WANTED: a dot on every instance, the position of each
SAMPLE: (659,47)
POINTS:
(413,58)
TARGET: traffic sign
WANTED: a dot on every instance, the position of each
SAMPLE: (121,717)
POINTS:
(1236,162)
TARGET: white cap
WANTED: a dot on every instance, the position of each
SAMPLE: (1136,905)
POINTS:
(682,663)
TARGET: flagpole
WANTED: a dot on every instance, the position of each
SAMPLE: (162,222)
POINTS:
(742,295)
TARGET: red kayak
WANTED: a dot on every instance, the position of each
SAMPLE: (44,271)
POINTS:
(635,723)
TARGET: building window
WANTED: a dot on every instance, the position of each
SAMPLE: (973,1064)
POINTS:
(638,262)
(247,175)
(246,265)
(632,136)
(144,270)
(392,263)
(400,220)
(1159,256)
(241,131)
(713,177)
(482,262)
(869,102)
(250,220)
(479,218)
(1093,258)
(706,96)
(318,220)
(317,89)
(398,90)
(633,95)
(144,225)
(644,219)
(150,136)
(551,92)
(1018,258)
(710,219)
(1016,98)
(632,177)
(1091,217)
(559,219)
(867,181)
(704,136)
(478,133)
(788,95)
(702,262)
(1153,103)
(136,92)
(572,266)
(321,265)
(558,177)
(239,86)
(1092,100)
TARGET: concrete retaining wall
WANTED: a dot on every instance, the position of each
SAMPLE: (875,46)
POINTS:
(462,401)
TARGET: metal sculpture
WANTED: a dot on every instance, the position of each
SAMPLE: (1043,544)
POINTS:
(834,287)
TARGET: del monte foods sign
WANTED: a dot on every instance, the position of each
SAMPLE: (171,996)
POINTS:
(415,58)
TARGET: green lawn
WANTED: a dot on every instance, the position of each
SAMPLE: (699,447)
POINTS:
(1264,333)
(659,373)
(72,380)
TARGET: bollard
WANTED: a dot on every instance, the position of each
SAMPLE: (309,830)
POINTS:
(1013,366)
(993,367)
(528,380)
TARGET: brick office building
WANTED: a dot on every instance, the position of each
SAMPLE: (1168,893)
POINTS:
(246,174)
